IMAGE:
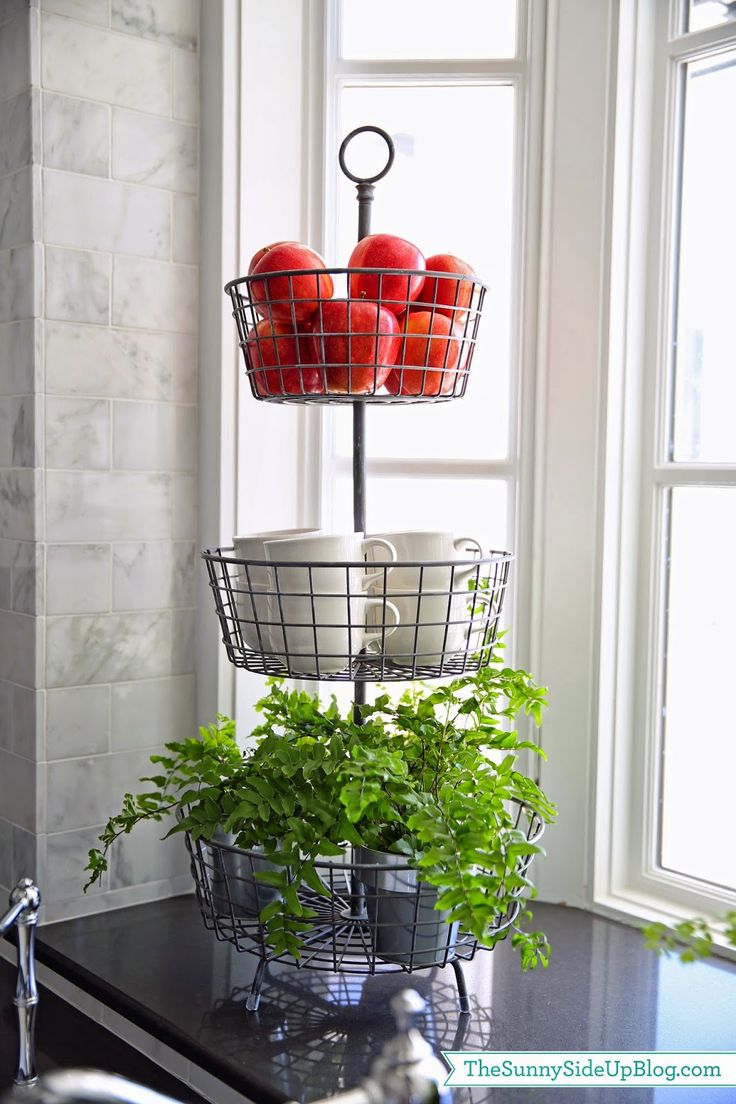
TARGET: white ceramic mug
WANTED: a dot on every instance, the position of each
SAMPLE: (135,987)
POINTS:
(436,625)
(318,613)
(428,545)
(252,584)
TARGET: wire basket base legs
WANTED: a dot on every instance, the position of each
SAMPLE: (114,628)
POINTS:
(463,1000)
(254,997)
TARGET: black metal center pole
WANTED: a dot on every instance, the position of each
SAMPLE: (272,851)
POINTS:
(365,189)
(365,199)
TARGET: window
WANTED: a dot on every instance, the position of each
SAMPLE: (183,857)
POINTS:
(679,764)
(454,95)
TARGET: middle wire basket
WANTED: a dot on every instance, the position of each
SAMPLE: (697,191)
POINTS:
(358,621)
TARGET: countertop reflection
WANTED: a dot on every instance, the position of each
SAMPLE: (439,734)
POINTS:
(316,1033)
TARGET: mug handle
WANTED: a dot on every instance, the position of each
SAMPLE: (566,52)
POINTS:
(382,629)
(459,544)
(378,542)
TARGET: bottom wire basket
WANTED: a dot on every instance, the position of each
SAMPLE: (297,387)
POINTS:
(374,916)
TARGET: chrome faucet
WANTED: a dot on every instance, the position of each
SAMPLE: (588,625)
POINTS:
(25,901)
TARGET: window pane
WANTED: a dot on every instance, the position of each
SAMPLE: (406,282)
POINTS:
(455,196)
(428,29)
(709,13)
(468,507)
(705,380)
(699,731)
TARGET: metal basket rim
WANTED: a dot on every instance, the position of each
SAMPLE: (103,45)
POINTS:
(328,864)
(339,271)
(495,557)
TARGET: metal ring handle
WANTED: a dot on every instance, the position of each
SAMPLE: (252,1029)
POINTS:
(391,154)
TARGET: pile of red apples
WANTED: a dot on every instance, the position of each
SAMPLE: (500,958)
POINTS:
(399,330)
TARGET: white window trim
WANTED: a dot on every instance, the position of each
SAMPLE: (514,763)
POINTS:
(626,878)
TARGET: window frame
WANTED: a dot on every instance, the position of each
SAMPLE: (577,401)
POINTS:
(628,879)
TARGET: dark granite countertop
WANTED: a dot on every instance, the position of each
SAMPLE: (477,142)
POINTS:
(316,1033)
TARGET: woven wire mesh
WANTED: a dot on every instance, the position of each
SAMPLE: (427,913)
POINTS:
(372,917)
(356,621)
(301,344)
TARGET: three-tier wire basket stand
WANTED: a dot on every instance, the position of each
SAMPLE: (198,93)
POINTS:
(360,620)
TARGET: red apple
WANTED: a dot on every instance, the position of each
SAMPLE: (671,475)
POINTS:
(429,358)
(358,341)
(289,298)
(450,297)
(278,351)
(261,253)
(386,251)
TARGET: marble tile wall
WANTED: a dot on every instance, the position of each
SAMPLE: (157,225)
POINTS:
(22,704)
(98,428)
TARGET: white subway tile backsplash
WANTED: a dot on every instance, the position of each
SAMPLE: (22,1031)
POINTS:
(28,723)
(19,359)
(77,578)
(77,285)
(98,435)
(144,856)
(185,230)
(6,716)
(92,506)
(87,11)
(150,713)
(172,21)
(184,493)
(19,649)
(77,432)
(126,364)
(152,295)
(183,638)
(153,574)
(25,852)
(20,282)
(114,68)
(83,793)
(77,721)
(186,85)
(154,436)
(18,790)
(15,56)
(6,854)
(15,132)
(157,152)
(90,213)
(28,592)
(76,135)
(18,504)
(115,647)
(17,432)
(21,577)
(66,858)
(16,208)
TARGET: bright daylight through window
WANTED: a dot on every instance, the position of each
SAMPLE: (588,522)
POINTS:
(699,547)
(461,454)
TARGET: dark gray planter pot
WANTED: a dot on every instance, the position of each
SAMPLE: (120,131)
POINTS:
(405,926)
(233,880)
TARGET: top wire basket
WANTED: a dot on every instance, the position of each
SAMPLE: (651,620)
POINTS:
(339,334)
